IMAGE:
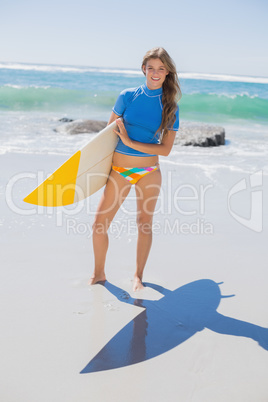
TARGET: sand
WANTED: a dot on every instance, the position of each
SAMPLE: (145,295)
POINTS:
(53,324)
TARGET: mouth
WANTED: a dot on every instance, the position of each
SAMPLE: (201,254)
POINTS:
(155,79)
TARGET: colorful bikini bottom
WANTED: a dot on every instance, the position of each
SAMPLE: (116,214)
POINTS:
(133,175)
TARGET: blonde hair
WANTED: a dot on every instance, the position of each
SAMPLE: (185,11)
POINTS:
(171,87)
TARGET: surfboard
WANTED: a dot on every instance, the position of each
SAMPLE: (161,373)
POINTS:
(84,173)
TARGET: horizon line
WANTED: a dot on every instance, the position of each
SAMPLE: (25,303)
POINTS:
(194,75)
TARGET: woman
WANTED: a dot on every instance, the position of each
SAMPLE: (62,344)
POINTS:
(150,121)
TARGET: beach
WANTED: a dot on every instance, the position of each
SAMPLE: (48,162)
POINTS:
(179,339)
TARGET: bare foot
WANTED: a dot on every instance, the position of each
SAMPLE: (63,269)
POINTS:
(137,284)
(96,278)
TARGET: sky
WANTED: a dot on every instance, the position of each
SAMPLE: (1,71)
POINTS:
(209,36)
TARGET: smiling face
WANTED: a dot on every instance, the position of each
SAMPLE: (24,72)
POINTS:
(155,72)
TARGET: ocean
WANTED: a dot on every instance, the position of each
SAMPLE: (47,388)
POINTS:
(34,97)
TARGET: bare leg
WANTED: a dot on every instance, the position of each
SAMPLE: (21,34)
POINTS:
(115,192)
(100,247)
(147,190)
(143,249)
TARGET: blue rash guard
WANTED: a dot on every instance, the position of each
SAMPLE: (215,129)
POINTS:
(141,109)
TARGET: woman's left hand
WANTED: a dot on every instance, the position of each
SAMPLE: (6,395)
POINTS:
(122,133)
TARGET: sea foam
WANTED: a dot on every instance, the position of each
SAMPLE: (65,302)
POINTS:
(126,71)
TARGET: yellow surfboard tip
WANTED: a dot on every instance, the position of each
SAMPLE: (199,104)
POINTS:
(59,188)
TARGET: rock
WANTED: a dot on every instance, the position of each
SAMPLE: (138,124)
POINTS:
(190,133)
(66,120)
(81,126)
(200,134)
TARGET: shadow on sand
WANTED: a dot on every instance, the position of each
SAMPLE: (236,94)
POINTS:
(166,323)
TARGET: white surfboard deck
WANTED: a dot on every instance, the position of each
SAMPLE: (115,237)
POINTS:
(84,173)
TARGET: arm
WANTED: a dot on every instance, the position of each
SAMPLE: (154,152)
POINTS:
(158,149)
(158,288)
(113,117)
(231,326)
(121,294)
